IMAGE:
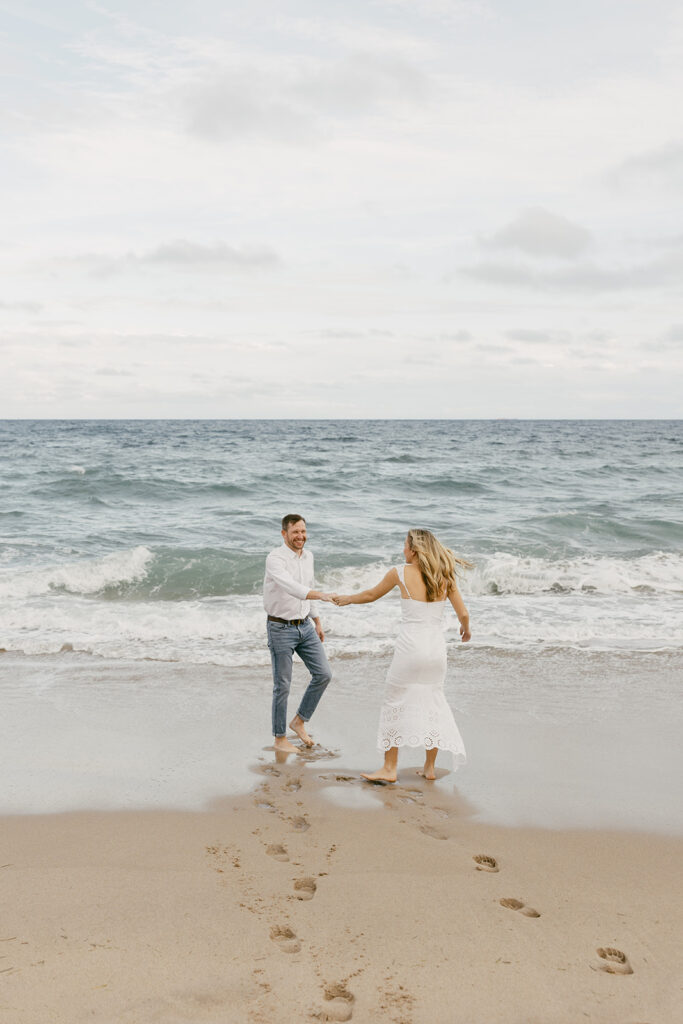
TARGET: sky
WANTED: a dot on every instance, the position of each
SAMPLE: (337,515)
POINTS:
(341,208)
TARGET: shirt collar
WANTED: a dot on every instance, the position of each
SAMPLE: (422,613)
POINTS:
(293,554)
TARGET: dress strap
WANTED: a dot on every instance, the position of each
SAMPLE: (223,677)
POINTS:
(400,569)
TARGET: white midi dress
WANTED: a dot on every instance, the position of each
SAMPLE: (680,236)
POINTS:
(415,712)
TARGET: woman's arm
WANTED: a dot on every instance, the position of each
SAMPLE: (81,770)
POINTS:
(373,594)
(455,597)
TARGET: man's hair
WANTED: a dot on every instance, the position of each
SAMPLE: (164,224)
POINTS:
(290,519)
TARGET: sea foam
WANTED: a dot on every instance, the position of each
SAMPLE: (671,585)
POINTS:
(89,576)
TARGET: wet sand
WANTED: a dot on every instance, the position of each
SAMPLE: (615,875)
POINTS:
(319,898)
(547,744)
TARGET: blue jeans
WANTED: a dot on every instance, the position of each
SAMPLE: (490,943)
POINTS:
(283,641)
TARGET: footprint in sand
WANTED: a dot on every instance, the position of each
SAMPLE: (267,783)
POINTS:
(512,904)
(293,785)
(317,753)
(432,832)
(285,938)
(612,961)
(338,1003)
(408,796)
(485,863)
(305,888)
(277,852)
(264,805)
(299,824)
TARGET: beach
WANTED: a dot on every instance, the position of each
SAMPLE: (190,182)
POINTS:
(191,876)
(158,864)
(284,904)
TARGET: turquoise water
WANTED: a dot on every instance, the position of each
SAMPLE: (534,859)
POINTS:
(146,539)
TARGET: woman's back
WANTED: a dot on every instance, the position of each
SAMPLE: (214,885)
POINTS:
(414,584)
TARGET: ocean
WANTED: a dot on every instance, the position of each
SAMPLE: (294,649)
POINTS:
(147,539)
(143,543)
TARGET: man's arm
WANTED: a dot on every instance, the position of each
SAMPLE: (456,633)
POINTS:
(277,571)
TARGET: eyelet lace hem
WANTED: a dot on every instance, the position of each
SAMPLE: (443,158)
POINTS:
(405,725)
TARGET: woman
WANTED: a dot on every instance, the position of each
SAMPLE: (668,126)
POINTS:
(415,712)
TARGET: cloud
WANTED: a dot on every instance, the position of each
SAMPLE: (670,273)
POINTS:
(454,336)
(22,307)
(362,82)
(596,335)
(182,253)
(535,337)
(448,11)
(658,168)
(350,334)
(496,349)
(670,341)
(245,105)
(293,105)
(585,277)
(675,334)
(538,232)
(179,254)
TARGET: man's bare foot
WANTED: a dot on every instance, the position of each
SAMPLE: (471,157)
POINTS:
(382,775)
(298,726)
(427,773)
(282,744)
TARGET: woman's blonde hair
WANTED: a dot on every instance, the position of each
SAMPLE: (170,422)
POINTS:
(438,565)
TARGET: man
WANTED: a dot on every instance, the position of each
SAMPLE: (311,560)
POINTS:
(294,625)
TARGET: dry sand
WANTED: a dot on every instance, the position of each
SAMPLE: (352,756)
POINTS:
(283,906)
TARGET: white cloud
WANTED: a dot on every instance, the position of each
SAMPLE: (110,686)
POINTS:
(450,12)
(539,232)
(292,103)
(663,272)
(669,342)
(179,254)
(656,169)
(183,253)
(360,83)
(21,307)
(675,334)
(234,105)
(536,337)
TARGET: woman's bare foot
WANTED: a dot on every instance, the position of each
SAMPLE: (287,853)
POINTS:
(382,775)
(298,726)
(428,772)
(282,744)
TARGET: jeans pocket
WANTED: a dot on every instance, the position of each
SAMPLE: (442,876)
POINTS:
(276,633)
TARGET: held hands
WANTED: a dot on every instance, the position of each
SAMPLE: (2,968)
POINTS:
(339,599)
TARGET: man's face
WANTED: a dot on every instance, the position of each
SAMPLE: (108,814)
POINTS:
(295,535)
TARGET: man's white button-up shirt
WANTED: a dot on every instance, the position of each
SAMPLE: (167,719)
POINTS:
(288,579)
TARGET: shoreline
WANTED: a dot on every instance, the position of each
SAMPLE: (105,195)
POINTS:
(80,732)
(285,903)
